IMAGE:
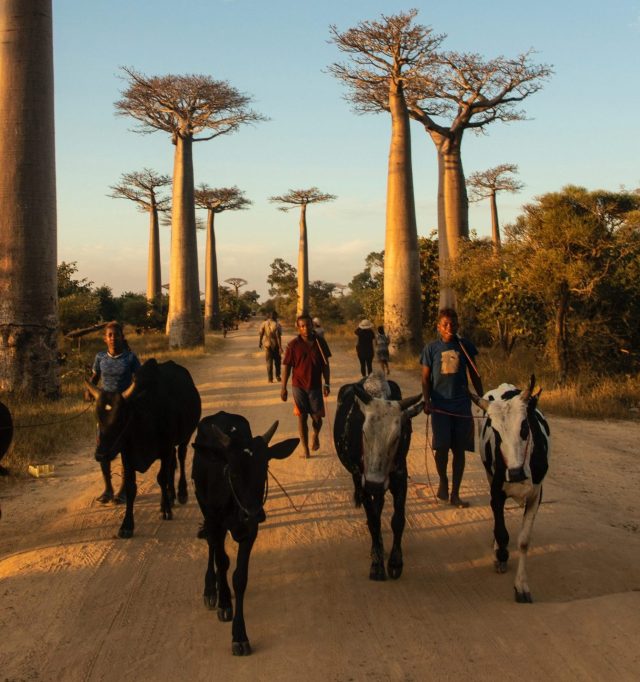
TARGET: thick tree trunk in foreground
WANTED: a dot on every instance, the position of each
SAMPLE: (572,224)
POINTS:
(184,322)
(153,268)
(402,310)
(303,264)
(28,283)
(211,293)
(495,226)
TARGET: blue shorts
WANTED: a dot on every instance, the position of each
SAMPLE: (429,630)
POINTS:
(452,433)
(308,402)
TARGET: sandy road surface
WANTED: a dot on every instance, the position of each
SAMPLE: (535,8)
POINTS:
(78,604)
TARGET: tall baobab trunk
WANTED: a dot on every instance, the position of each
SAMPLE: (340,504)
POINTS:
(28,282)
(184,322)
(211,293)
(153,269)
(402,310)
(303,264)
(447,294)
(495,226)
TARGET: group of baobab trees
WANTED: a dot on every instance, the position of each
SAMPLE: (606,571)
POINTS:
(394,65)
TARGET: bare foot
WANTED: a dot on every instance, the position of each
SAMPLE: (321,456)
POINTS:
(315,441)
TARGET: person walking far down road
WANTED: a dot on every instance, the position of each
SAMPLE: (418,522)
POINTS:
(364,347)
(382,350)
(445,363)
(306,359)
(317,327)
(116,367)
(271,339)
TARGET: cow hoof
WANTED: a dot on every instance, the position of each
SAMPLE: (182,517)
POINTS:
(125,533)
(500,566)
(210,601)
(377,574)
(225,614)
(120,498)
(523,597)
(183,498)
(394,571)
(167,515)
(240,648)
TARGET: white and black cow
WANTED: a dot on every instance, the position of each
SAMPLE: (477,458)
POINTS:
(515,442)
(230,469)
(159,411)
(372,434)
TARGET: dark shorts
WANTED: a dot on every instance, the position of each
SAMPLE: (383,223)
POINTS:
(308,402)
(452,433)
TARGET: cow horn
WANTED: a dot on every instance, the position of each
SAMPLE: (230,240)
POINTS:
(93,389)
(126,394)
(525,395)
(268,434)
(408,402)
(480,402)
(362,394)
(220,436)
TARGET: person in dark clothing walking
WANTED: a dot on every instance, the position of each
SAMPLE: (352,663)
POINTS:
(364,346)
(271,339)
(445,364)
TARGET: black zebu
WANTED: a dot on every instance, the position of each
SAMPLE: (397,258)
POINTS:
(6,436)
(515,452)
(158,412)
(230,469)
(372,434)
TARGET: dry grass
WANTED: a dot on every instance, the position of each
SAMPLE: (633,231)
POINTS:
(43,429)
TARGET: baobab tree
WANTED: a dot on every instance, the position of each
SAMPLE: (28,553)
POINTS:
(236,283)
(215,201)
(302,197)
(486,184)
(383,55)
(184,107)
(142,188)
(474,92)
(28,298)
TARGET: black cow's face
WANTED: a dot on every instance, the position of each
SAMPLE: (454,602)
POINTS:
(112,418)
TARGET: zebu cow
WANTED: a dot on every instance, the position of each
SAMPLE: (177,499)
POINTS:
(372,433)
(158,412)
(515,451)
(230,469)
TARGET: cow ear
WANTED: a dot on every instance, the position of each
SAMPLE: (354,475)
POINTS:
(283,449)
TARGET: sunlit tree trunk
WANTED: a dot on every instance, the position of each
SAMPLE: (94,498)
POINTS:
(28,285)
(402,310)
(447,294)
(153,268)
(211,293)
(303,264)
(184,322)
(495,226)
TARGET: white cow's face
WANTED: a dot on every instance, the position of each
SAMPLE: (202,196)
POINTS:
(509,420)
(380,438)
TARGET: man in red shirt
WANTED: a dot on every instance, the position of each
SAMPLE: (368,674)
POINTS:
(307,360)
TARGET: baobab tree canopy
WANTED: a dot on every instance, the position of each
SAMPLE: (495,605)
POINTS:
(185,106)
(483,184)
(141,187)
(300,197)
(220,199)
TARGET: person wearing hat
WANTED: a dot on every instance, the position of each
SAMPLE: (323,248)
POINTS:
(317,327)
(364,346)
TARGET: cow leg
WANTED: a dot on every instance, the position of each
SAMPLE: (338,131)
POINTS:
(521,586)
(373,504)
(398,488)
(171,477)
(183,492)
(225,607)
(164,476)
(240,641)
(129,473)
(500,533)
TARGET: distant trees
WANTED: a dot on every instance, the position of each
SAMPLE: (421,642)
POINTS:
(28,307)
(367,287)
(236,283)
(215,201)
(302,198)
(142,187)
(384,56)
(184,107)
(486,184)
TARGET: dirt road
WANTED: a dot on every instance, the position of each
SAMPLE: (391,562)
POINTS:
(79,604)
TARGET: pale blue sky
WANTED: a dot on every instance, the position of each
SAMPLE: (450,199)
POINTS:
(583,127)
